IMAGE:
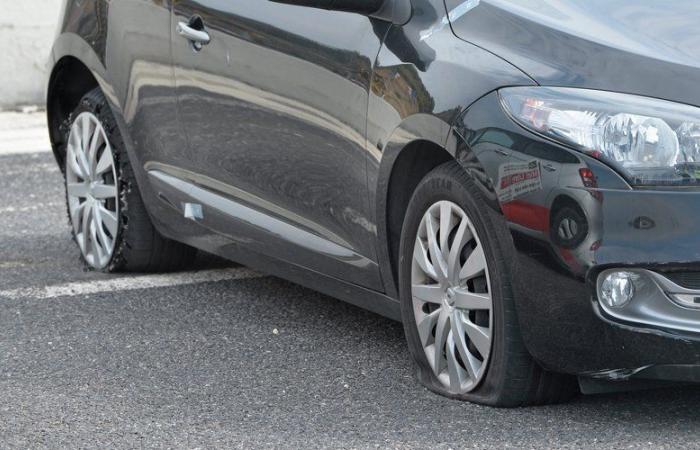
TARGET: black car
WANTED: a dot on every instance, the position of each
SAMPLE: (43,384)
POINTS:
(517,181)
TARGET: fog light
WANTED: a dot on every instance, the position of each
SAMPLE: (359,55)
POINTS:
(617,288)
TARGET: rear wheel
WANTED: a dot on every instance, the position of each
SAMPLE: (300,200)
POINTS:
(91,190)
(109,220)
(458,306)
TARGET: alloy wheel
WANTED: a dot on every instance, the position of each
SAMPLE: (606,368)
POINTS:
(91,187)
(451,295)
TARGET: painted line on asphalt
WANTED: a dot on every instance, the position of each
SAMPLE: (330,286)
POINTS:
(131,283)
(30,145)
(23,133)
(36,207)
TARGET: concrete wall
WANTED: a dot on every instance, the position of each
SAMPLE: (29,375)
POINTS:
(27,30)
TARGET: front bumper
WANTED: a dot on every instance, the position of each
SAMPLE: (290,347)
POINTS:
(571,218)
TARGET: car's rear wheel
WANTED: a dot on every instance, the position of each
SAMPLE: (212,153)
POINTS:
(458,306)
(109,221)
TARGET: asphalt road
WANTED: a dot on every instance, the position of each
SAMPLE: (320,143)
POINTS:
(200,360)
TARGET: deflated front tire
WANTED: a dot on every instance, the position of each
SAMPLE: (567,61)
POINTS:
(457,301)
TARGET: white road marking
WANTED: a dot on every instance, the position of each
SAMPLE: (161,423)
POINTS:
(23,133)
(37,207)
(130,283)
(24,148)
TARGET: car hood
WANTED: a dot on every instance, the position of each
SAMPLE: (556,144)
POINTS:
(646,47)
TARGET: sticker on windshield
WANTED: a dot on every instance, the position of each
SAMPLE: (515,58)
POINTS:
(517,179)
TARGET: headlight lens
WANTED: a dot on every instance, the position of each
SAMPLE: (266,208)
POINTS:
(650,141)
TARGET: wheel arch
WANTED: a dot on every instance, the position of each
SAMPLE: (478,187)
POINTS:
(76,69)
(403,164)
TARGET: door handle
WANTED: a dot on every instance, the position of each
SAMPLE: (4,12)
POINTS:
(198,38)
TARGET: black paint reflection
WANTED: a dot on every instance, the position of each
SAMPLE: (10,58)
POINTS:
(276,108)
(616,45)
(572,217)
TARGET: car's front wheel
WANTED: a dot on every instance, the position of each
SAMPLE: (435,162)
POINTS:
(108,217)
(458,306)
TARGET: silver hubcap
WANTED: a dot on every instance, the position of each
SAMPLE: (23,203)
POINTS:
(91,185)
(452,297)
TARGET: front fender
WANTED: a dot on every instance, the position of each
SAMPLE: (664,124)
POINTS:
(424,78)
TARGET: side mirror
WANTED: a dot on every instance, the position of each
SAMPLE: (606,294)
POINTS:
(396,11)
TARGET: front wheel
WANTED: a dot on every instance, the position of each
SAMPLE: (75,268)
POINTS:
(457,302)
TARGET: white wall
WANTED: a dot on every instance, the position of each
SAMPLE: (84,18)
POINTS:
(27,30)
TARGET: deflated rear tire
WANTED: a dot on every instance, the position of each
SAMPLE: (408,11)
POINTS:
(457,300)
(109,221)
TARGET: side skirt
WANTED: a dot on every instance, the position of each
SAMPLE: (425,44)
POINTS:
(171,222)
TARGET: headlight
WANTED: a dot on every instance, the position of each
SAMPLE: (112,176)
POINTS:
(650,141)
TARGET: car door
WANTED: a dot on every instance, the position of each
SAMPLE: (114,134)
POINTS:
(274,110)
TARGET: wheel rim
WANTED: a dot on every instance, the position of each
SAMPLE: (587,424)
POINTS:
(91,186)
(452,300)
